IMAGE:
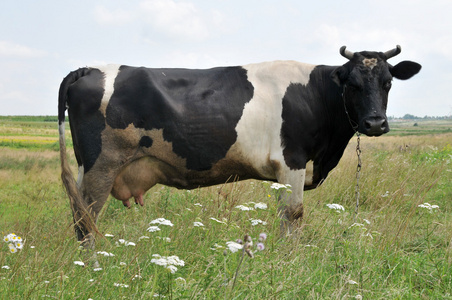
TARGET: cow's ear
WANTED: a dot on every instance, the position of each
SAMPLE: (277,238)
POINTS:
(339,75)
(405,69)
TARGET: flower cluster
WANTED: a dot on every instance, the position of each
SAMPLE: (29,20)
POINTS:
(428,206)
(259,205)
(159,221)
(169,262)
(255,222)
(14,242)
(336,207)
(278,186)
(125,243)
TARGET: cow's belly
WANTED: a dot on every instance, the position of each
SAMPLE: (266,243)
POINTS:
(142,174)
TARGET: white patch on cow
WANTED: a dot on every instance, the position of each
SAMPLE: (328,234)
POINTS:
(258,130)
(81,171)
(110,73)
(309,178)
(61,131)
(370,62)
(291,204)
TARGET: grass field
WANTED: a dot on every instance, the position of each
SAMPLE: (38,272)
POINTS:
(393,250)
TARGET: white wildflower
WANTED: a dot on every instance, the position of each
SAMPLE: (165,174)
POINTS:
(12,248)
(336,207)
(143,237)
(233,246)
(198,204)
(97,269)
(280,186)
(108,235)
(244,208)
(162,221)
(255,222)
(121,241)
(6,267)
(260,205)
(169,262)
(15,242)
(428,206)
(121,285)
(172,268)
(198,224)
(130,244)
(79,263)
(122,263)
(153,229)
(367,221)
(352,282)
(174,260)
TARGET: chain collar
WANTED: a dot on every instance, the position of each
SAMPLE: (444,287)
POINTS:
(354,127)
(358,175)
(358,153)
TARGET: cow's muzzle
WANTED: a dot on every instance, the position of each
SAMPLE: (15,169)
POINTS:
(375,126)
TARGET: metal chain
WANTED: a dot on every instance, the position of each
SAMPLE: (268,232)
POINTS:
(358,153)
(358,174)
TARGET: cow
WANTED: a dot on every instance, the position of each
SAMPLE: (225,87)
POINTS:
(282,121)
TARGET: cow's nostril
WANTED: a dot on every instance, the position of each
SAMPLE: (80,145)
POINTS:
(375,126)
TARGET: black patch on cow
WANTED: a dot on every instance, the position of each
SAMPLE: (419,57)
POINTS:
(198,110)
(145,141)
(86,121)
(314,125)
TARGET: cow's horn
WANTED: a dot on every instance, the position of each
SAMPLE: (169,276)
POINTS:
(345,53)
(393,52)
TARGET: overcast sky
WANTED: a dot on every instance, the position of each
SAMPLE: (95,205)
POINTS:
(42,41)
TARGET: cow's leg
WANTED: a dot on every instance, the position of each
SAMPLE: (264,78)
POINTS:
(291,202)
(95,188)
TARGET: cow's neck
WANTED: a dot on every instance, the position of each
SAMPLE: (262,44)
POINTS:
(336,128)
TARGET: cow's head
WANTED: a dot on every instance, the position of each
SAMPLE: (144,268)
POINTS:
(366,80)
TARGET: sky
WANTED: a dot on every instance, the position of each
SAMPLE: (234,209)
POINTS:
(42,41)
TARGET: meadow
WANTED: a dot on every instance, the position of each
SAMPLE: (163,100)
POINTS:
(398,246)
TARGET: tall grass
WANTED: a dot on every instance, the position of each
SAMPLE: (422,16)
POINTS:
(395,250)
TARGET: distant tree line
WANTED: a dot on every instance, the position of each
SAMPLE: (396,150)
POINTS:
(413,117)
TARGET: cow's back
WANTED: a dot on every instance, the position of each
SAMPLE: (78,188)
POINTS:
(196,110)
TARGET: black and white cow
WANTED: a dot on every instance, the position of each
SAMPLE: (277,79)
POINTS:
(282,121)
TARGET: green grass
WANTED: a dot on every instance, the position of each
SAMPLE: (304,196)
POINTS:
(404,252)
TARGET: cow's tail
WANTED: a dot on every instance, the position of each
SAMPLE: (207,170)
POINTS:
(83,220)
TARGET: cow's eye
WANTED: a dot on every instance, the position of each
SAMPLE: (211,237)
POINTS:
(387,85)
